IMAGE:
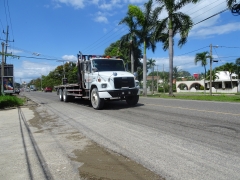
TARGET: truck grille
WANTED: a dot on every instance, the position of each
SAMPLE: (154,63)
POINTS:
(120,82)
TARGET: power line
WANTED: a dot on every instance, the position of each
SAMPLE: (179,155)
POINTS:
(211,16)
(193,51)
(208,9)
(32,57)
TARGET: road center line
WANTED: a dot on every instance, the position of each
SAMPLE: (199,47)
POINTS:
(194,109)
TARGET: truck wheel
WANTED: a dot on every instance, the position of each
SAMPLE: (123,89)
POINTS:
(65,96)
(97,103)
(132,100)
(60,95)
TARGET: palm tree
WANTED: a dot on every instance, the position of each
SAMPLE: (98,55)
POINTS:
(175,22)
(214,75)
(230,3)
(176,72)
(230,68)
(202,57)
(238,65)
(146,21)
(130,37)
(150,64)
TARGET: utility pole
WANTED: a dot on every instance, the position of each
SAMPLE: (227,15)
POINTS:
(144,71)
(163,80)
(211,60)
(6,44)
(157,79)
(2,69)
(210,69)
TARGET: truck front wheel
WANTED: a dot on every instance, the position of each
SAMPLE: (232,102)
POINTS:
(132,100)
(97,103)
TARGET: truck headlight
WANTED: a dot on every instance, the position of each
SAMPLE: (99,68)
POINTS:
(104,85)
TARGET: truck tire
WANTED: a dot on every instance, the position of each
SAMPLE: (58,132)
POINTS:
(97,103)
(60,95)
(132,100)
(65,96)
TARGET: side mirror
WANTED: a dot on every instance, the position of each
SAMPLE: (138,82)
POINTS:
(94,69)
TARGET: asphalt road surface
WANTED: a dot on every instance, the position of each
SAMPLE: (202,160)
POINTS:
(177,139)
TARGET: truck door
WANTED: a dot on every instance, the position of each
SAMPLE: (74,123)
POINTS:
(88,77)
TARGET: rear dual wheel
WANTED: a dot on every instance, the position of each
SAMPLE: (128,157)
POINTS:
(60,94)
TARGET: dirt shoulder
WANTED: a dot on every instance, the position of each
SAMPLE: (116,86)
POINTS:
(91,160)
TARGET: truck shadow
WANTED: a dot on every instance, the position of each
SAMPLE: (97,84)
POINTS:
(108,105)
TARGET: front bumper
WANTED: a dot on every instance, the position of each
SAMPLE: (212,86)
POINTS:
(119,93)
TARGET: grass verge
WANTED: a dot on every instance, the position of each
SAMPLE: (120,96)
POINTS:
(10,101)
(201,97)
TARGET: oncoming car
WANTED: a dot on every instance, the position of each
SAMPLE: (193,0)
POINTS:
(48,89)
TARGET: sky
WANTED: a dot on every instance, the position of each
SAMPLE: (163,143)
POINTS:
(47,33)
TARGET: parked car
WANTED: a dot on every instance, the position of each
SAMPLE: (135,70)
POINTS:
(48,89)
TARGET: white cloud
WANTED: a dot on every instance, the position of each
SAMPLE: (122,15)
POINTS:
(69,58)
(75,3)
(136,1)
(30,70)
(182,62)
(101,19)
(105,6)
(215,30)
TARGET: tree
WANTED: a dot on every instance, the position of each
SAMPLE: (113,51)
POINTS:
(202,57)
(238,67)
(176,72)
(230,68)
(184,73)
(150,64)
(230,3)
(146,21)
(175,22)
(214,75)
(130,37)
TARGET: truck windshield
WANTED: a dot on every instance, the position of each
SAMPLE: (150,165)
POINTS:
(108,65)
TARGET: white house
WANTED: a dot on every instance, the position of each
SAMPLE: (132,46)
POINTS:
(222,84)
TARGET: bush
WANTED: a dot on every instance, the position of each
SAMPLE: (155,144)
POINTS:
(10,101)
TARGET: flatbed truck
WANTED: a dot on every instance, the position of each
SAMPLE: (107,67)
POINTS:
(100,79)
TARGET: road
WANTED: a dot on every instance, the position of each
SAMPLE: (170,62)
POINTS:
(177,139)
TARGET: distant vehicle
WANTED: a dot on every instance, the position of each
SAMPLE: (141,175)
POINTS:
(48,89)
(27,90)
(17,91)
(33,88)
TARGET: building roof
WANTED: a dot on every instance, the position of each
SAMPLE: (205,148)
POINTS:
(224,75)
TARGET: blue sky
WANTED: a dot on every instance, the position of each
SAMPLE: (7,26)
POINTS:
(59,29)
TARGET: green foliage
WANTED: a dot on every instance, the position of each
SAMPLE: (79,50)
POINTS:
(10,101)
